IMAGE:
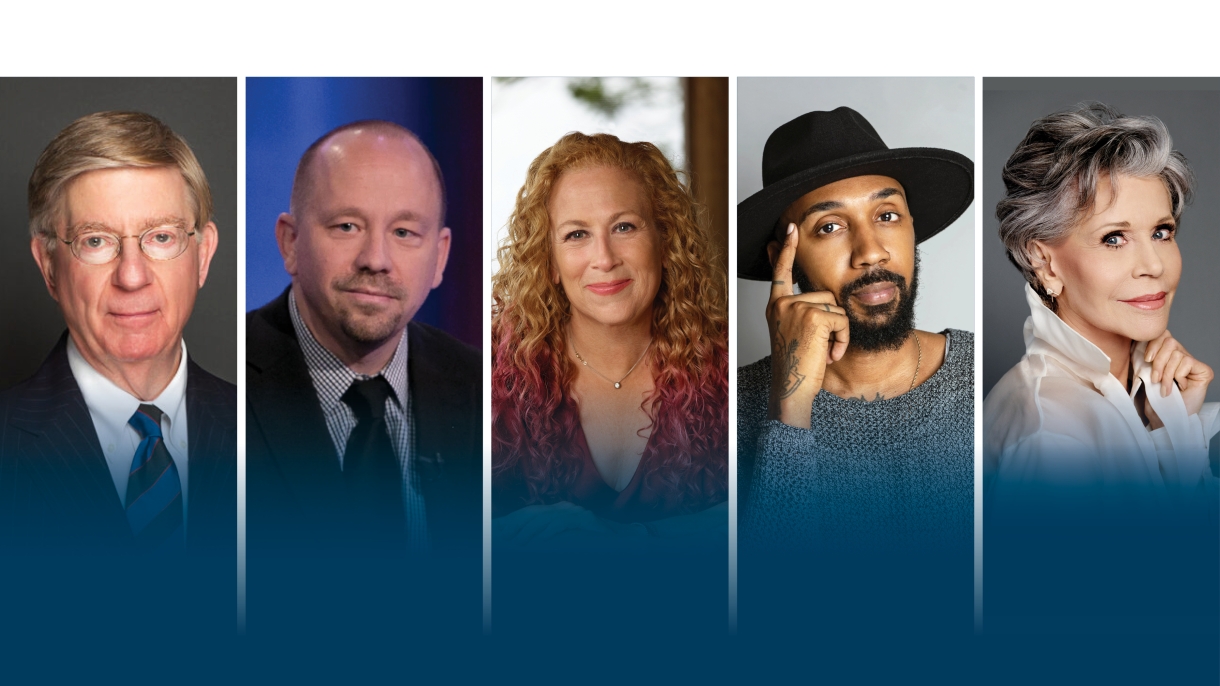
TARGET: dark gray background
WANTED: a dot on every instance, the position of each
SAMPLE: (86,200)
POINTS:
(1190,109)
(32,112)
(907,112)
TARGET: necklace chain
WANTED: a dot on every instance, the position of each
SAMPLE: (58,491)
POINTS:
(918,361)
(619,383)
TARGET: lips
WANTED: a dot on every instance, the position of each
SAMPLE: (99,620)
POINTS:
(608,287)
(877,293)
(1151,301)
(371,293)
(133,318)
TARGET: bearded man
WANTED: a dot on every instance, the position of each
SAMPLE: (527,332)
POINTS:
(857,430)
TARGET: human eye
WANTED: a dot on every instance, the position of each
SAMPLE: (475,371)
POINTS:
(1164,232)
(346,227)
(160,237)
(828,228)
(888,216)
(624,227)
(575,235)
(95,241)
(1114,239)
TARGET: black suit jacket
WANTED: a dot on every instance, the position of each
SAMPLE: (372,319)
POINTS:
(294,484)
(56,490)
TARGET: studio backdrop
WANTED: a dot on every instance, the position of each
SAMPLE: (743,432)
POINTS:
(34,111)
(285,115)
(1190,109)
(907,113)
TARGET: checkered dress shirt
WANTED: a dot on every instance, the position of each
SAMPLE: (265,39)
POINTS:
(331,379)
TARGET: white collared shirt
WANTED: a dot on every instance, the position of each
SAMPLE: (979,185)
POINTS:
(1059,417)
(111,407)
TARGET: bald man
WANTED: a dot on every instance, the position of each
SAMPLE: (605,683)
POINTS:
(363,427)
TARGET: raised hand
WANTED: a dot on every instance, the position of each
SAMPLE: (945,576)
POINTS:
(1170,360)
(808,331)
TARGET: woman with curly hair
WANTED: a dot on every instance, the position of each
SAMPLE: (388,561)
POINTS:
(609,351)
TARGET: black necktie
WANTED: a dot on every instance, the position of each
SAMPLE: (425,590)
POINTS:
(371,472)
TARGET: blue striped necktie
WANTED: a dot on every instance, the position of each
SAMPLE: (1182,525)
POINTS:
(154,492)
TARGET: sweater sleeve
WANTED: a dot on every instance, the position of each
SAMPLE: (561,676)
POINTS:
(783,487)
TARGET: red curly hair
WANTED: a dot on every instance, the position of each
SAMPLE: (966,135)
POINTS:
(535,421)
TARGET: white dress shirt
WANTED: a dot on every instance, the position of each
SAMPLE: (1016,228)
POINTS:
(111,407)
(1060,418)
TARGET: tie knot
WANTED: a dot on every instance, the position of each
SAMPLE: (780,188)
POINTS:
(147,421)
(367,397)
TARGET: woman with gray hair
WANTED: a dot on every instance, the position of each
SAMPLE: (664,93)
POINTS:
(1105,400)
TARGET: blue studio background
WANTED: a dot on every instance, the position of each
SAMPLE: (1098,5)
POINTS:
(285,115)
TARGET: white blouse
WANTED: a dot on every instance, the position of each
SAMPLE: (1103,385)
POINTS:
(1060,418)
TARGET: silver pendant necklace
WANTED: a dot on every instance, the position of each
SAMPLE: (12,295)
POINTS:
(619,383)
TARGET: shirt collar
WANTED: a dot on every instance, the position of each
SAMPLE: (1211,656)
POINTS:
(115,406)
(1046,333)
(321,361)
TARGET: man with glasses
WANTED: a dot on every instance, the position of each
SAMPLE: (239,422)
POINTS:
(120,440)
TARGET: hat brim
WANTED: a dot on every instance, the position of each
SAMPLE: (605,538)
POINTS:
(939,186)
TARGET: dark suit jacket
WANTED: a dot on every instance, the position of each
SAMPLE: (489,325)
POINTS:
(294,484)
(56,491)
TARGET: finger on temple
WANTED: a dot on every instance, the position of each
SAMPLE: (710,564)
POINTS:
(781,281)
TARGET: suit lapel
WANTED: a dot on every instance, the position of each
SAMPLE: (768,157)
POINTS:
(439,407)
(59,457)
(283,406)
(212,428)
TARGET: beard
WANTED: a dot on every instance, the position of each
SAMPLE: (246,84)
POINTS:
(367,323)
(875,327)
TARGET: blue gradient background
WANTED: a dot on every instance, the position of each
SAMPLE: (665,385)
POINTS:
(285,115)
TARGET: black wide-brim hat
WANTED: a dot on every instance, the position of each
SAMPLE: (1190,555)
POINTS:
(819,148)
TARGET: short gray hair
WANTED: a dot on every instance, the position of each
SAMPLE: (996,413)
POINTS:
(1052,176)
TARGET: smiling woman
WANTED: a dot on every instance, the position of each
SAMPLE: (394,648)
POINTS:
(1105,400)
(610,353)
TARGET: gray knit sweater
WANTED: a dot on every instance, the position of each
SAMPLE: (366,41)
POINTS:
(887,475)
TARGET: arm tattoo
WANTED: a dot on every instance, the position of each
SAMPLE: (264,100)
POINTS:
(787,366)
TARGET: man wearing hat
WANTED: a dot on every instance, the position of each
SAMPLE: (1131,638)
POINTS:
(857,429)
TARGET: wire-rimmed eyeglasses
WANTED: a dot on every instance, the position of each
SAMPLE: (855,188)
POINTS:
(100,247)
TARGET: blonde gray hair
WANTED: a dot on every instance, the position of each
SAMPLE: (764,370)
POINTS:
(109,140)
(1052,176)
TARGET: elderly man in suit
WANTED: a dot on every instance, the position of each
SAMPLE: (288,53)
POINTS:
(363,427)
(120,440)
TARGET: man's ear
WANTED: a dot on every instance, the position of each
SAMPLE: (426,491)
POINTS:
(46,263)
(773,249)
(286,238)
(207,248)
(442,255)
(1044,267)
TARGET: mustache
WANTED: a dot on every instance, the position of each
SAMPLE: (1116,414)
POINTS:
(869,278)
(379,283)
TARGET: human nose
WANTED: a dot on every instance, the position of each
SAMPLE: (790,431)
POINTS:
(1149,261)
(374,253)
(866,249)
(133,271)
(604,256)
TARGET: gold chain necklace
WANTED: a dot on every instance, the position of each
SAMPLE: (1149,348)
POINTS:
(918,361)
(619,383)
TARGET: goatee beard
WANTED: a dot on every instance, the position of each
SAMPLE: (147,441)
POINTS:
(882,327)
